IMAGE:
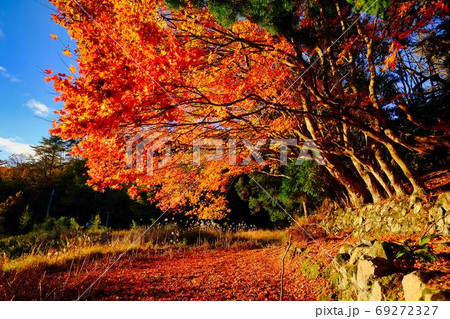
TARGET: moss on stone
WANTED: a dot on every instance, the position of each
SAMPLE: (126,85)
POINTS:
(310,269)
(391,286)
(351,270)
(341,259)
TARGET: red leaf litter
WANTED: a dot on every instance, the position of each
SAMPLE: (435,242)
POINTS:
(195,274)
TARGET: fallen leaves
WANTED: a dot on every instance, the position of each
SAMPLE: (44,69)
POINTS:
(195,274)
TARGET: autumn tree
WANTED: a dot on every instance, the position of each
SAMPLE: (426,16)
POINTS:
(327,71)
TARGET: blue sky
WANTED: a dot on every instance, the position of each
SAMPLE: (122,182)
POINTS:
(26,50)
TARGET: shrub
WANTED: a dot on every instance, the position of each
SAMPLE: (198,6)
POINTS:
(95,224)
(51,234)
(25,219)
(422,251)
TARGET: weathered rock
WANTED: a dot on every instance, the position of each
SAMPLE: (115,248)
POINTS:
(369,274)
(376,292)
(396,228)
(415,283)
(346,249)
(440,214)
(366,242)
(387,287)
(415,199)
(342,258)
(364,295)
(357,253)
(372,268)
(413,286)
(443,201)
(377,250)
(407,216)
(436,295)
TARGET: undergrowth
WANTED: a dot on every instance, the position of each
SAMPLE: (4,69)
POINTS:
(57,241)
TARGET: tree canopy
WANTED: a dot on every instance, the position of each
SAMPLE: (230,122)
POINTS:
(355,77)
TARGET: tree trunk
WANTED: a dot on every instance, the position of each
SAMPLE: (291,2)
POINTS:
(378,175)
(371,184)
(305,209)
(372,187)
(380,179)
(418,186)
(354,186)
(388,170)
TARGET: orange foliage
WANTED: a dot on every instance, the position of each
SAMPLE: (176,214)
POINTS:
(182,76)
(141,67)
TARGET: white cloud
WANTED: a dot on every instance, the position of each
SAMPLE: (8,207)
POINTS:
(38,108)
(4,72)
(9,145)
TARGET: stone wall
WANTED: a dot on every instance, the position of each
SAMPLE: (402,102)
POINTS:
(407,216)
(367,272)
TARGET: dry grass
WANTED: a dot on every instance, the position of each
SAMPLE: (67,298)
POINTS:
(60,257)
(159,237)
(269,236)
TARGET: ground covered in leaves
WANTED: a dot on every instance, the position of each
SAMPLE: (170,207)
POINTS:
(174,274)
(198,273)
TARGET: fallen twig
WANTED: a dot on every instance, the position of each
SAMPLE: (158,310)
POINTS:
(282,266)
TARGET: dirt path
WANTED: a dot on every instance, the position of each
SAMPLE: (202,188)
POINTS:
(195,275)
(199,274)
